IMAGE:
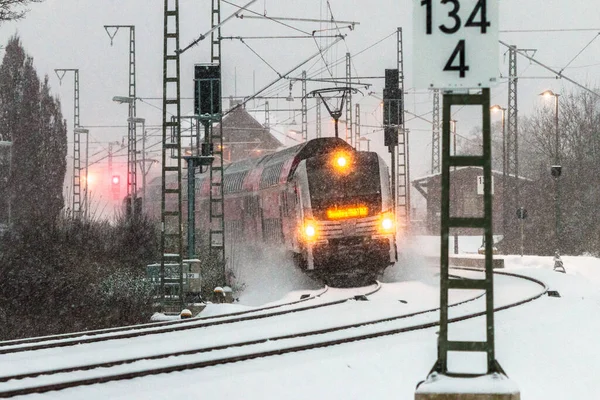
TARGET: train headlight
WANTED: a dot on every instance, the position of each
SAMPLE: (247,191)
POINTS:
(387,223)
(341,162)
(310,230)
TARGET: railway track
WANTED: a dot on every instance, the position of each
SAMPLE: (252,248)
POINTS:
(9,344)
(49,342)
(251,349)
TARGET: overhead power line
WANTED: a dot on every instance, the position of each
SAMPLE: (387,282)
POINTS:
(549,30)
(557,73)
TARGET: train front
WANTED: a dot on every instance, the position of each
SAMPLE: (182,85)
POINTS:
(348,225)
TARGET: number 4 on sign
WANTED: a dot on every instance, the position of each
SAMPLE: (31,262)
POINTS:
(483,22)
(459,51)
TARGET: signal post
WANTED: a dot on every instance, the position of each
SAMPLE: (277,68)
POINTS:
(456,51)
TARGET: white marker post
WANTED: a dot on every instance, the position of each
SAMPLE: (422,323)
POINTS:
(456,50)
(456,44)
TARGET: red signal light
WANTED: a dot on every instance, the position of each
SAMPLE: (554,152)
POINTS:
(116,187)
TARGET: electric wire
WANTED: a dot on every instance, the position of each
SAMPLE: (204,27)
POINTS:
(577,55)
(269,18)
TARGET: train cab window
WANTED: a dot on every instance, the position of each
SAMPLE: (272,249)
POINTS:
(361,185)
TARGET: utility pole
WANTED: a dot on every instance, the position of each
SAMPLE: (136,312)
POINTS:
(171,242)
(77,203)
(216,168)
(357,126)
(267,117)
(512,146)
(349,99)
(304,109)
(318,133)
(454,184)
(131,126)
(402,168)
(142,121)
(435,133)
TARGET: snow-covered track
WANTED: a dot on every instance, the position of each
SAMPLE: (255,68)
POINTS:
(195,323)
(96,332)
(293,346)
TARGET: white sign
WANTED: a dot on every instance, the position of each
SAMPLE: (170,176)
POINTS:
(480,184)
(455,43)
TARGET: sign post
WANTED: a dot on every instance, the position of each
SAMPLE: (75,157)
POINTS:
(456,50)
(521,215)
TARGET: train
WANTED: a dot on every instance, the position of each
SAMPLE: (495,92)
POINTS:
(326,204)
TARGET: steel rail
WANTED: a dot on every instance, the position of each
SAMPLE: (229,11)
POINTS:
(290,349)
(150,324)
(200,324)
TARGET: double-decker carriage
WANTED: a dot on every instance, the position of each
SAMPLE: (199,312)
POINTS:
(327,204)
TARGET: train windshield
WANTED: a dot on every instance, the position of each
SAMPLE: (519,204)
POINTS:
(355,192)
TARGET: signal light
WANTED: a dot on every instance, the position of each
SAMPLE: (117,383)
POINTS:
(116,186)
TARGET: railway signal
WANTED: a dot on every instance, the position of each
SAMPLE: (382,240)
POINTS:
(115,185)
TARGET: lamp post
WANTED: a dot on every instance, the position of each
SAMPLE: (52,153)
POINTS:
(131,152)
(453,131)
(496,108)
(86,132)
(555,169)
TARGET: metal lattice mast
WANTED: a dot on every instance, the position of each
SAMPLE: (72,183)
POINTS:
(171,242)
(76,205)
(304,109)
(357,127)
(402,170)
(446,344)
(217,220)
(512,146)
(318,133)
(435,133)
(349,99)
(131,125)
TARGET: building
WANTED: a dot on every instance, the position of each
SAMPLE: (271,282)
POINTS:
(466,198)
(244,137)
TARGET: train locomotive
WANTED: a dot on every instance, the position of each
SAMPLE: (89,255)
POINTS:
(329,206)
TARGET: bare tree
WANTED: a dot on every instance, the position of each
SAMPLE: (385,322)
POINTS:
(11,10)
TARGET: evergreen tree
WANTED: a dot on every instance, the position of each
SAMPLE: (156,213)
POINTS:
(31,118)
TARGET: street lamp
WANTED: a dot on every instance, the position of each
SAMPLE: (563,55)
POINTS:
(496,108)
(555,169)
(454,194)
(131,151)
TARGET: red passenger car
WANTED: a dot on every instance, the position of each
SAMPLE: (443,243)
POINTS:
(327,204)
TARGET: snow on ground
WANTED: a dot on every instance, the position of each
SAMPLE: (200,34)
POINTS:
(548,347)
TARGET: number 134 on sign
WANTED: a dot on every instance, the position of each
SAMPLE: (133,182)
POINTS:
(455,43)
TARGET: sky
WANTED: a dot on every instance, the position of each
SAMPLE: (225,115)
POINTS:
(70,34)
(548,347)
